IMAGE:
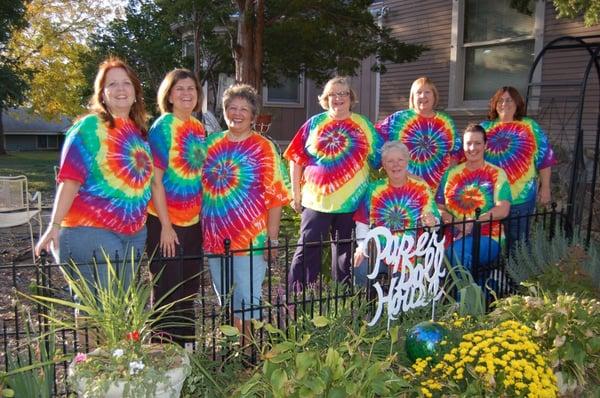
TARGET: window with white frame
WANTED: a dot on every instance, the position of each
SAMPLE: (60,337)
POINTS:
(493,45)
(289,92)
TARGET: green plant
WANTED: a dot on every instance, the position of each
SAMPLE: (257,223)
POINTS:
(122,318)
(469,298)
(559,264)
(298,366)
(567,327)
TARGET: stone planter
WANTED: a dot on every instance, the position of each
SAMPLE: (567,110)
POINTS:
(172,389)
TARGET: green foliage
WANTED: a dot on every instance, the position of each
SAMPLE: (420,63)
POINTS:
(13,76)
(327,357)
(37,166)
(319,38)
(145,40)
(30,371)
(51,47)
(567,327)
(560,264)
(589,9)
(114,308)
(470,299)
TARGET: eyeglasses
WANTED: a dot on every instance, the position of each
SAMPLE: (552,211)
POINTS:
(505,101)
(340,94)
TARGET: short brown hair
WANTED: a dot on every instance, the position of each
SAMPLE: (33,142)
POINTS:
(137,113)
(420,82)
(476,128)
(514,94)
(341,80)
(171,79)
(243,91)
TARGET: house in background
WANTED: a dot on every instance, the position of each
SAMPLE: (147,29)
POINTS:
(477,46)
(474,47)
(24,131)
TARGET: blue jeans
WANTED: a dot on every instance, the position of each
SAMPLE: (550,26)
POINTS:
(517,224)
(87,247)
(361,272)
(461,251)
(241,283)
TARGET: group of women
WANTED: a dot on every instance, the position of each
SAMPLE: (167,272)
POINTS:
(176,190)
(433,175)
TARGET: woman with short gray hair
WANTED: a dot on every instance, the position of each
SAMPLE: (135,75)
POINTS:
(401,202)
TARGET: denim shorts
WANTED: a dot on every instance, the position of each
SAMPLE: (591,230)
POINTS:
(238,280)
(88,246)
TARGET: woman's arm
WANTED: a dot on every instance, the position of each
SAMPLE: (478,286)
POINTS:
(273,222)
(65,194)
(498,212)
(168,236)
(295,177)
(545,196)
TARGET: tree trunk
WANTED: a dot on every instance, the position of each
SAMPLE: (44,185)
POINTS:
(2,143)
(197,48)
(248,52)
(259,30)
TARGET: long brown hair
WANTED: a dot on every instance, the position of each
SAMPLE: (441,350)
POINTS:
(516,97)
(137,113)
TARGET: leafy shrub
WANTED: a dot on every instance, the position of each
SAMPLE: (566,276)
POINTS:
(568,328)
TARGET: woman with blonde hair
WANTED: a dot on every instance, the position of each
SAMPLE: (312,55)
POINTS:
(430,135)
(330,157)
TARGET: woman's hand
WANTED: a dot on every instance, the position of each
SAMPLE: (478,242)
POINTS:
(48,241)
(544,196)
(429,219)
(297,203)
(359,256)
(464,229)
(273,253)
(168,241)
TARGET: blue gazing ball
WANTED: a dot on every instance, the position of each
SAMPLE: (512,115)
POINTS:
(427,339)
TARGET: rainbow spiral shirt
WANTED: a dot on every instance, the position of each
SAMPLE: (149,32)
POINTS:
(521,149)
(336,156)
(434,142)
(396,208)
(241,181)
(114,167)
(178,148)
(462,191)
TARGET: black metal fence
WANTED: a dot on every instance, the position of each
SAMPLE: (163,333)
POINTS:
(279,302)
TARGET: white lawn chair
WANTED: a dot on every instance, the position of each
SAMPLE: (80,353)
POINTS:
(19,207)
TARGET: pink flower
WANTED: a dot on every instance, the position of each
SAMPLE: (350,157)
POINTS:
(80,357)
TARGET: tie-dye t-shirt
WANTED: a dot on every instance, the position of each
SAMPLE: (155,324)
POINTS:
(241,181)
(114,167)
(396,208)
(433,142)
(178,148)
(521,149)
(462,191)
(336,156)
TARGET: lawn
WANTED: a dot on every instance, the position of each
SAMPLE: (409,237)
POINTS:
(37,166)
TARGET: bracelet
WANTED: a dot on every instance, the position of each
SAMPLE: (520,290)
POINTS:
(56,224)
(274,242)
